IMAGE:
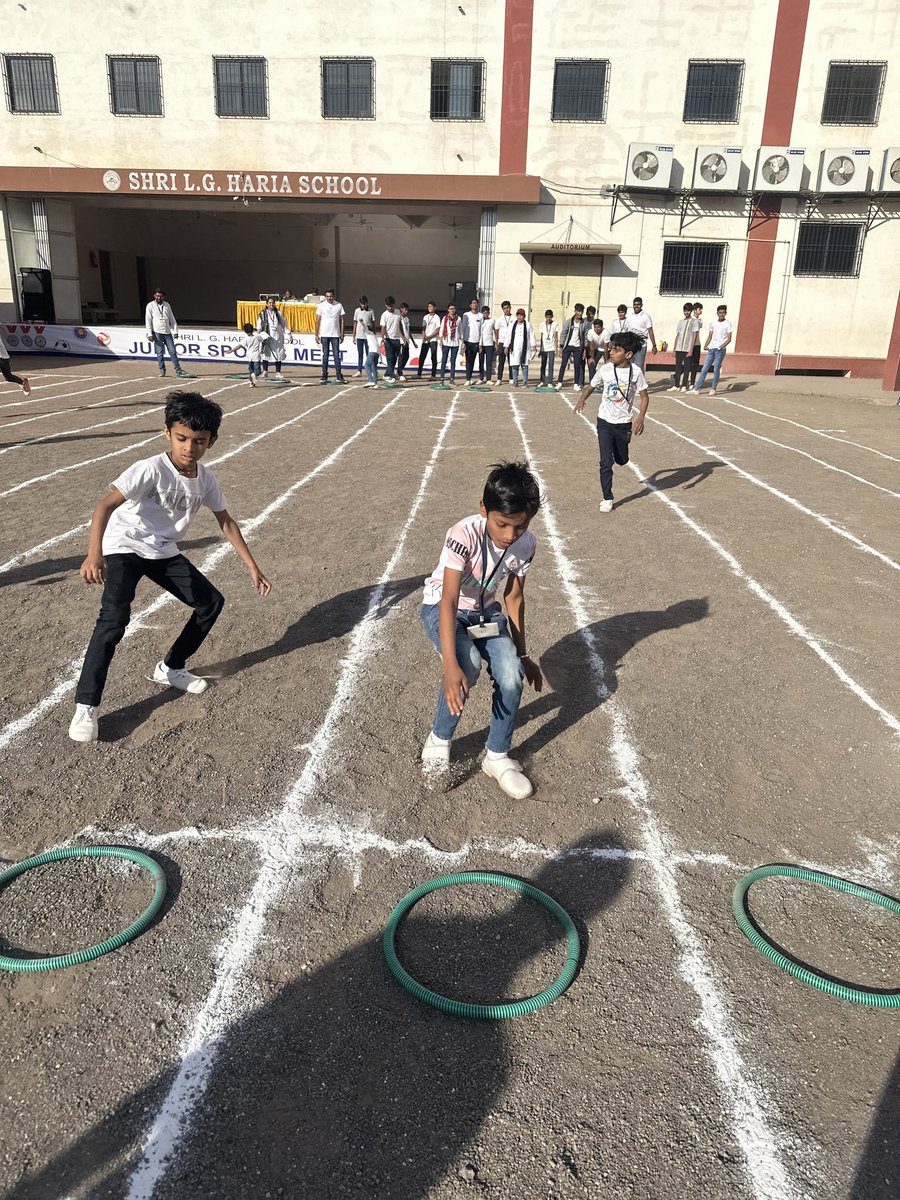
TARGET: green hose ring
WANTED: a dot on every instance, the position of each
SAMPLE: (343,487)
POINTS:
(461,1008)
(57,962)
(856,995)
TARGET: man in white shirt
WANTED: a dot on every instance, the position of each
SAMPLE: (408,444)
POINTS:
(595,345)
(717,339)
(486,347)
(162,329)
(470,327)
(431,328)
(503,330)
(393,337)
(620,324)
(641,323)
(330,334)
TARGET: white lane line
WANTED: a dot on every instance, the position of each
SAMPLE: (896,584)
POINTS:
(809,428)
(34,551)
(760,1144)
(809,512)
(795,626)
(783,446)
(78,407)
(229,999)
(20,725)
(63,433)
(40,387)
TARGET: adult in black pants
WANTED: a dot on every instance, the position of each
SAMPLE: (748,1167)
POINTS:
(470,334)
(694,362)
(571,344)
(431,328)
(504,332)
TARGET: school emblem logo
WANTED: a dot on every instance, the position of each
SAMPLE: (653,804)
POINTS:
(112,181)
(40,341)
(80,331)
(12,340)
(27,341)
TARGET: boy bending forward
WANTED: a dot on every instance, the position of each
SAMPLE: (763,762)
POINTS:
(466,624)
(134,532)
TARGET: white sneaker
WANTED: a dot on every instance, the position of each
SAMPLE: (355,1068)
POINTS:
(673,388)
(26,386)
(684,389)
(712,391)
(365,385)
(181,679)
(252,381)
(606,505)
(509,775)
(388,378)
(358,375)
(559,387)
(279,377)
(435,757)
(83,726)
(696,391)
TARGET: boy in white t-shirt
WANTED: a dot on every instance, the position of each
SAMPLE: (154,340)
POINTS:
(330,334)
(717,339)
(467,626)
(431,328)
(595,345)
(254,340)
(488,346)
(392,336)
(619,381)
(134,533)
(548,345)
(363,325)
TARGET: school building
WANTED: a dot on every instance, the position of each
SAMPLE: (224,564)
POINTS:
(544,151)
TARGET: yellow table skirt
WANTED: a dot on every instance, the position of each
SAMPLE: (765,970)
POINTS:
(301,318)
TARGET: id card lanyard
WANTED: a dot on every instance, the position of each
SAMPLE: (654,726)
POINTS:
(627,391)
(486,579)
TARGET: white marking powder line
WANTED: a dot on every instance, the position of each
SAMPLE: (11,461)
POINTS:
(59,412)
(14,728)
(809,428)
(767,1174)
(62,433)
(26,555)
(40,387)
(758,590)
(823,520)
(783,446)
(227,999)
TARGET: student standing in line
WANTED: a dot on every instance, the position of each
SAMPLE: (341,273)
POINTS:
(487,346)
(590,314)
(470,327)
(521,348)
(330,333)
(392,335)
(363,325)
(641,323)
(595,347)
(619,381)
(273,326)
(254,342)
(504,328)
(717,340)
(6,370)
(571,343)
(135,530)
(407,338)
(620,324)
(465,622)
(162,330)
(431,332)
(449,338)
(549,347)
(697,314)
(686,337)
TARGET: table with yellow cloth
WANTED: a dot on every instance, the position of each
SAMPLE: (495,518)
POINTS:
(300,318)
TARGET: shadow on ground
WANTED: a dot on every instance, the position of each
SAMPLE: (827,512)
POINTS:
(346,1087)
(878,1174)
(666,479)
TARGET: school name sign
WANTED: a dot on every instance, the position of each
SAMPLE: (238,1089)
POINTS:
(243,183)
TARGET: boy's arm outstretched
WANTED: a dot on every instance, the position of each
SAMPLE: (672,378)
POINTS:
(93,569)
(514,598)
(231,531)
(586,391)
(456,686)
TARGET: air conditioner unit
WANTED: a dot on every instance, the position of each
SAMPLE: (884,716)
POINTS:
(890,170)
(648,165)
(844,169)
(778,169)
(717,169)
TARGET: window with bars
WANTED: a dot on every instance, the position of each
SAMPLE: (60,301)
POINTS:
(348,88)
(713,92)
(579,89)
(457,89)
(832,248)
(693,269)
(135,86)
(853,93)
(241,87)
(31,83)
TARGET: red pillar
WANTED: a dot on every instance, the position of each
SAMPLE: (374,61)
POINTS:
(516,87)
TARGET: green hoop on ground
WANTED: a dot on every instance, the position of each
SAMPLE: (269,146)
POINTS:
(77,957)
(541,388)
(441,387)
(462,1008)
(875,997)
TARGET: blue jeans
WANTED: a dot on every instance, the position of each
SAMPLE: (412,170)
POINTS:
(164,342)
(577,356)
(332,346)
(372,366)
(641,357)
(503,666)
(254,368)
(392,348)
(451,352)
(714,359)
(362,352)
(514,373)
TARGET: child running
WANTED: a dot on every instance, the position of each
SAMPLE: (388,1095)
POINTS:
(6,370)
(620,380)
(466,624)
(134,532)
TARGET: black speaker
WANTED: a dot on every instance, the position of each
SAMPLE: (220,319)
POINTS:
(37,296)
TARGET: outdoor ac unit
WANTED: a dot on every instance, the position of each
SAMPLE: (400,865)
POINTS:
(778,169)
(648,165)
(844,169)
(717,169)
(890,170)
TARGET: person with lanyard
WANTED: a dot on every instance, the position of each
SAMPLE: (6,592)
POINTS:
(466,624)
(503,331)
(431,329)
(162,330)
(641,323)
(470,327)
(619,381)
(273,325)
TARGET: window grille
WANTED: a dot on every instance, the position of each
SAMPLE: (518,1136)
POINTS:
(829,248)
(853,93)
(693,269)
(135,86)
(713,92)
(31,83)
(457,89)
(579,89)
(348,88)
(241,87)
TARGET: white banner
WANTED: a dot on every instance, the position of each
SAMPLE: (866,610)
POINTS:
(131,341)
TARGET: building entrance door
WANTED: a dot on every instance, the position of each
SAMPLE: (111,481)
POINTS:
(560,281)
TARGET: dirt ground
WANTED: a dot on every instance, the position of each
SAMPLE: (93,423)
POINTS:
(723,691)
